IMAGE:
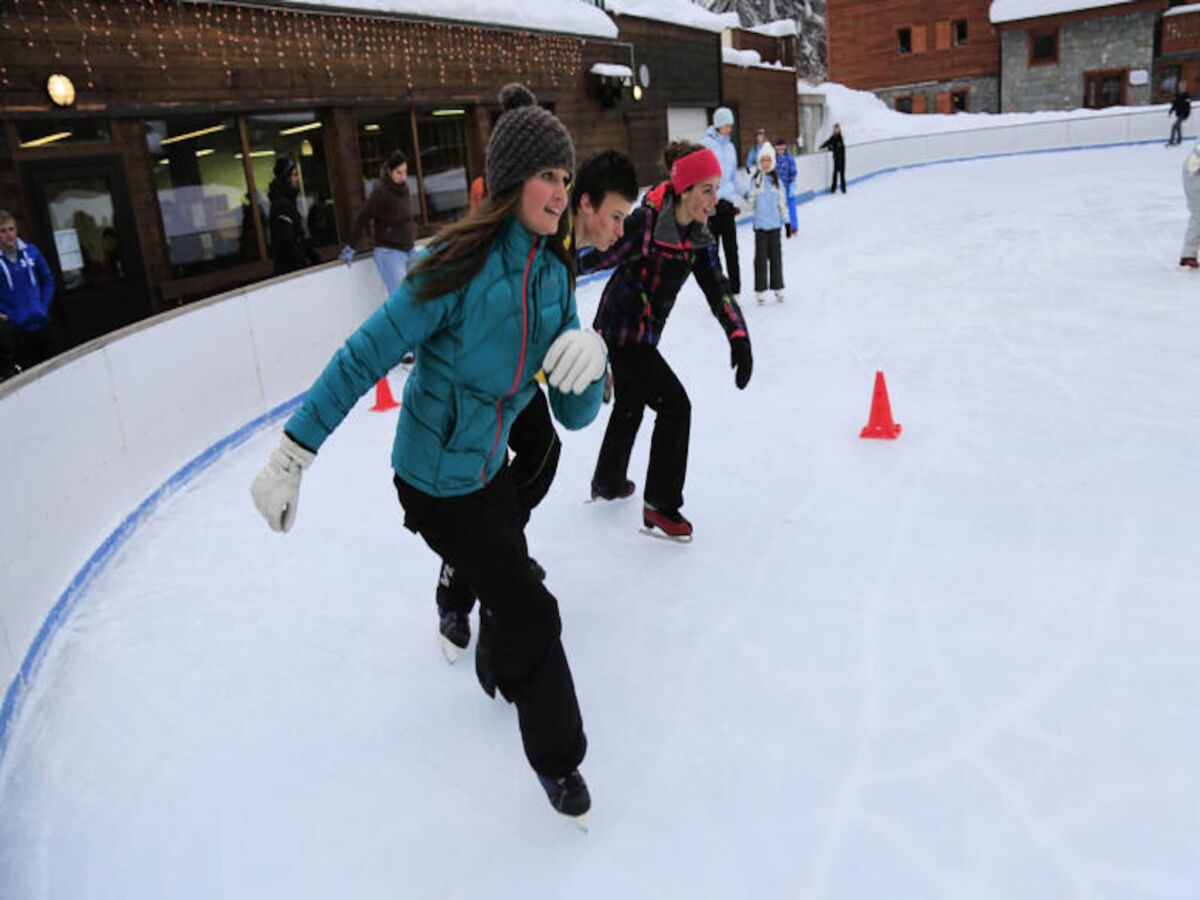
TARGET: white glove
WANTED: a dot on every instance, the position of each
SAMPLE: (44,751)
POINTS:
(276,489)
(575,360)
(1193,160)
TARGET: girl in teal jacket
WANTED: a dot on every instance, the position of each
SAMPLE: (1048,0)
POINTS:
(490,304)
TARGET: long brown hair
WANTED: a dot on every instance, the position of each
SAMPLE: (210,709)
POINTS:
(461,248)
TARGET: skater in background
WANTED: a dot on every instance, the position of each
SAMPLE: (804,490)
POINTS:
(1191,190)
(723,224)
(785,165)
(1181,108)
(605,187)
(389,209)
(26,292)
(291,248)
(760,141)
(488,304)
(837,146)
(665,240)
(769,206)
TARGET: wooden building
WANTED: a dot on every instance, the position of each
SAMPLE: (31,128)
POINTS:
(917,55)
(762,94)
(1178,62)
(143,178)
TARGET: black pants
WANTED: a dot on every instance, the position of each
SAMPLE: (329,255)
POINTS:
(33,347)
(480,535)
(536,450)
(768,254)
(641,378)
(1176,132)
(723,225)
(839,171)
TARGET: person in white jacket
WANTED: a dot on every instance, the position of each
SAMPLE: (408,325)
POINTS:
(1191,189)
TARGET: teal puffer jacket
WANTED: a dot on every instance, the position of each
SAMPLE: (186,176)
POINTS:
(478,349)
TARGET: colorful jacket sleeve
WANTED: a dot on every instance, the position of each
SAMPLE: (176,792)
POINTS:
(394,329)
(707,269)
(633,243)
(575,411)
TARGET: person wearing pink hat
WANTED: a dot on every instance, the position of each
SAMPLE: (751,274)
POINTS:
(665,240)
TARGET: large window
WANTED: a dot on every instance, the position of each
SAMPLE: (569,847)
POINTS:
(1168,81)
(201,184)
(442,134)
(86,239)
(299,136)
(380,133)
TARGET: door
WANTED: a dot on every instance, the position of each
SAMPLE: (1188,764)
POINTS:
(1102,89)
(82,221)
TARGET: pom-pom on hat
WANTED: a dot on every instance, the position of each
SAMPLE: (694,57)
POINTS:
(527,139)
(696,166)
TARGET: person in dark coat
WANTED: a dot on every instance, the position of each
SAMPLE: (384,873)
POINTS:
(837,146)
(665,240)
(390,210)
(290,246)
(1181,108)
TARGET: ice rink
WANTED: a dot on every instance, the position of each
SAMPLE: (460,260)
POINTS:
(963,664)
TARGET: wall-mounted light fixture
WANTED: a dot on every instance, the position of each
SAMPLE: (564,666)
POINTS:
(61,90)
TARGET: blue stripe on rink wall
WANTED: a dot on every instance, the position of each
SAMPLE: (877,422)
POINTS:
(125,531)
(115,541)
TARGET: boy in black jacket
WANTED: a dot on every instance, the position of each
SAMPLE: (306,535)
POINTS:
(837,147)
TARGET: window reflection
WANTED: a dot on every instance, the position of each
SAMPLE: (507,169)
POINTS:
(442,134)
(300,137)
(85,239)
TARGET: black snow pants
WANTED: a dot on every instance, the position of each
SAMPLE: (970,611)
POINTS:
(768,256)
(481,536)
(536,449)
(839,171)
(641,378)
(723,225)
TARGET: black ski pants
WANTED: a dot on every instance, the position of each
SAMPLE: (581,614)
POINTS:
(768,254)
(1176,132)
(641,378)
(839,171)
(536,449)
(723,225)
(481,536)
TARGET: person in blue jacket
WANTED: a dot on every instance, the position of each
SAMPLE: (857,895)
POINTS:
(489,303)
(723,223)
(26,290)
(785,165)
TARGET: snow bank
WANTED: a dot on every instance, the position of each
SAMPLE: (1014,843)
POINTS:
(780,28)
(677,12)
(566,16)
(1015,10)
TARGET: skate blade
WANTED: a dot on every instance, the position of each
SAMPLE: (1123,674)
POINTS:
(580,822)
(663,536)
(450,650)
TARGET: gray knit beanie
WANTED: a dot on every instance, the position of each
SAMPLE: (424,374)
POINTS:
(527,139)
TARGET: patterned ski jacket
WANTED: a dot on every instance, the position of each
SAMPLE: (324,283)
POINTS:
(477,350)
(653,260)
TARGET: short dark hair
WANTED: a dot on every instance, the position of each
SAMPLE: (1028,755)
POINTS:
(395,160)
(601,173)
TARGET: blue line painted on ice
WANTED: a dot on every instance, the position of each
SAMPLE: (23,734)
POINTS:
(125,531)
(115,541)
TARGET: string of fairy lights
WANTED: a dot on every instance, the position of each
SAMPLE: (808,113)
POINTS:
(177,37)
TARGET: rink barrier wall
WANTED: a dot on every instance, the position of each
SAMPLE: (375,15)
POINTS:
(102,428)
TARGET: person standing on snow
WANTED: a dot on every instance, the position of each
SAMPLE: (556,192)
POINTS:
(723,224)
(665,241)
(769,206)
(837,146)
(487,305)
(26,290)
(605,187)
(785,165)
(1191,190)
(390,210)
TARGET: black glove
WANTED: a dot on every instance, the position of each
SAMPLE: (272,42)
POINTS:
(740,359)
(788,228)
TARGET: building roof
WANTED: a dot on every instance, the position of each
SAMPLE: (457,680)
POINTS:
(1180,10)
(677,12)
(1015,10)
(779,28)
(564,16)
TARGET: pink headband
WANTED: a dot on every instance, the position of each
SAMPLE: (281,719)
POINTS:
(696,166)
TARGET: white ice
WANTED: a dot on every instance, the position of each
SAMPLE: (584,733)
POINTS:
(962,664)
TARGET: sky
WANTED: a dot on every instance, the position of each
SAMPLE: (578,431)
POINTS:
(958,664)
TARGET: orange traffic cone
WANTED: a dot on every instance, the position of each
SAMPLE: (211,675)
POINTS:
(880,424)
(383,397)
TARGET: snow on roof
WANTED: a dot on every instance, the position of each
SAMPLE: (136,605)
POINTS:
(747,59)
(611,70)
(1015,10)
(564,16)
(677,12)
(1180,10)
(780,28)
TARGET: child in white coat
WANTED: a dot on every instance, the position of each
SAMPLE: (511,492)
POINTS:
(768,200)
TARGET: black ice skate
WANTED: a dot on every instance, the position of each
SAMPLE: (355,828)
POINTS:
(1190,262)
(666,523)
(454,633)
(601,492)
(569,795)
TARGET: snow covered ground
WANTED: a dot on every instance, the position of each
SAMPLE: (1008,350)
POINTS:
(962,664)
